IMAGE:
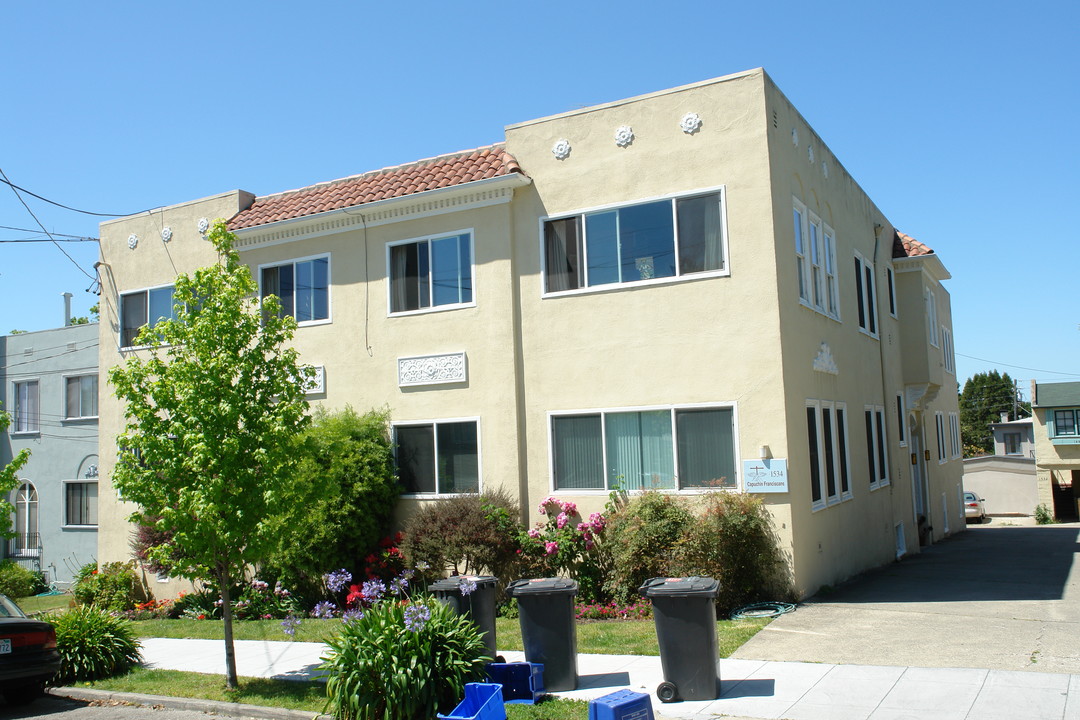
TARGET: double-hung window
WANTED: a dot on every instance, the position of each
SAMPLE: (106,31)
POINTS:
(799,217)
(947,350)
(80,397)
(431,272)
(939,423)
(955,448)
(901,421)
(865,295)
(826,433)
(890,278)
(656,448)
(931,318)
(438,458)
(635,243)
(815,261)
(301,286)
(81,503)
(26,410)
(877,454)
(1064,426)
(144,307)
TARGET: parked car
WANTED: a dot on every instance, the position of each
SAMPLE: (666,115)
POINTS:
(28,654)
(974,509)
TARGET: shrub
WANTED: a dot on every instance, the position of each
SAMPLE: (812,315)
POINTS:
(733,541)
(1043,515)
(642,536)
(93,644)
(115,587)
(565,545)
(16,581)
(465,534)
(348,467)
(402,661)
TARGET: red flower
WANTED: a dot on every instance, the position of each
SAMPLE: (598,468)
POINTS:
(355,595)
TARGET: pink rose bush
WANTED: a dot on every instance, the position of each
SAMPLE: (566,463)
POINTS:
(566,544)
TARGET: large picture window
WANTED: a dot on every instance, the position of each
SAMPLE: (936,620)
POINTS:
(81,503)
(81,397)
(302,286)
(431,272)
(26,411)
(144,307)
(665,449)
(438,458)
(635,243)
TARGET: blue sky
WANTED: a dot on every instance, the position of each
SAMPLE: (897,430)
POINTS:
(958,120)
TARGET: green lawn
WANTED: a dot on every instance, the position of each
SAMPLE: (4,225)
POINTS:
(43,603)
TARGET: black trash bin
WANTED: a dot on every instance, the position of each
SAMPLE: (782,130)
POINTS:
(684,610)
(478,606)
(548,630)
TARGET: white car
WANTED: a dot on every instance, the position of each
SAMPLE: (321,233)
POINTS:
(974,509)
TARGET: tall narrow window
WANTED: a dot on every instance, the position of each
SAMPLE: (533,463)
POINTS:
(432,272)
(562,254)
(890,278)
(800,254)
(866,297)
(939,423)
(27,541)
(144,307)
(831,289)
(901,421)
(931,318)
(817,282)
(81,397)
(27,410)
(877,456)
(947,350)
(816,494)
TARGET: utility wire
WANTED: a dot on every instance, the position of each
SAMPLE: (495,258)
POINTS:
(59,235)
(60,205)
(15,189)
(1021,367)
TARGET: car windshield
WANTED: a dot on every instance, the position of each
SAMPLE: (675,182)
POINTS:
(9,609)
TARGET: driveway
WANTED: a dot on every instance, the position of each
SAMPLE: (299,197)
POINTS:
(997,597)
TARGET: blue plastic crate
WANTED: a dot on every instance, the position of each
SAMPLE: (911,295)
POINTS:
(522,683)
(483,701)
(621,705)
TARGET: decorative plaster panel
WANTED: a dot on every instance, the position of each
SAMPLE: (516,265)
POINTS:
(317,384)
(432,369)
(824,362)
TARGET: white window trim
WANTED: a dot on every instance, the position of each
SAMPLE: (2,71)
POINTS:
(737,459)
(827,252)
(444,421)
(954,436)
(869,296)
(120,312)
(879,426)
(63,408)
(329,285)
(947,350)
(14,406)
(901,419)
(832,299)
(820,408)
(931,317)
(611,287)
(429,238)
(939,427)
(803,273)
(64,499)
(817,298)
(890,280)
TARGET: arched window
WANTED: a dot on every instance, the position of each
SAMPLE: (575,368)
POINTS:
(27,541)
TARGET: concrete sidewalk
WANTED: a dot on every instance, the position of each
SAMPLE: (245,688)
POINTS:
(750,688)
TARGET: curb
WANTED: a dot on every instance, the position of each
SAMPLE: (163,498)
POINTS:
(238,710)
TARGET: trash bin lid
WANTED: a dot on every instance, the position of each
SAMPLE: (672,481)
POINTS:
(542,586)
(453,582)
(680,587)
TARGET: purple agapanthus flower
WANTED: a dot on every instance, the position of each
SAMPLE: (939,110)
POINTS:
(373,589)
(324,609)
(353,614)
(289,625)
(466,585)
(416,617)
(399,585)
(338,580)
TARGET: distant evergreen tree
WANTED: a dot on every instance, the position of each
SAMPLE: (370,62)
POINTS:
(984,397)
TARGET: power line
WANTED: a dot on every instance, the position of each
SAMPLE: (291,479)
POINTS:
(1021,367)
(59,235)
(61,205)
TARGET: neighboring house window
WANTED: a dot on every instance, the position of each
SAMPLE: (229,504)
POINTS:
(931,318)
(438,458)
(947,350)
(865,295)
(901,421)
(1012,444)
(939,422)
(81,397)
(81,503)
(1065,423)
(431,272)
(143,307)
(890,278)
(26,541)
(956,448)
(635,243)
(666,448)
(877,454)
(826,432)
(302,286)
(26,410)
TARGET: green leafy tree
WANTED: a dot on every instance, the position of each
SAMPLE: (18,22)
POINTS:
(213,408)
(984,397)
(9,480)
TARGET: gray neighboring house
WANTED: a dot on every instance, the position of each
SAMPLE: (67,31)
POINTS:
(49,387)
(1006,480)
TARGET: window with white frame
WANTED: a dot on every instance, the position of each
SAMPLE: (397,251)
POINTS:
(439,457)
(947,350)
(26,412)
(669,448)
(815,261)
(799,217)
(430,272)
(901,421)
(666,238)
(890,278)
(144,307)
(866,295)
(817,256)
(956,450)
(939,423)
(81,504)
(877,454)
(27,541)
(301,286)
(80,397)
(826,433)
(832,299)
(931,317)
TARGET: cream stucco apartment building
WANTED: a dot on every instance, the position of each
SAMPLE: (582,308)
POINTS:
(671,291)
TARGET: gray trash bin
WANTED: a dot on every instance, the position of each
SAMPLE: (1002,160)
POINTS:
(478,606)
(684,610)
(548,629)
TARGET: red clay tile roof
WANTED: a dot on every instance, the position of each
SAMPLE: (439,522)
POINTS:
(431,174)
(907,246)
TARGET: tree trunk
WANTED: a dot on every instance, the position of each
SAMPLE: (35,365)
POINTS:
(226,614)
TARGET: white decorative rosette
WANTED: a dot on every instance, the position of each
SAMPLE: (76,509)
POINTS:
(690,123)
(204,225)
(624,136)
(561,149)
(133,241)
(166,234)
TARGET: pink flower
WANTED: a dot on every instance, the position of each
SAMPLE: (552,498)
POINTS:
(534,534)
(569,508)
(560,522)
(551,547)
(597,521)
